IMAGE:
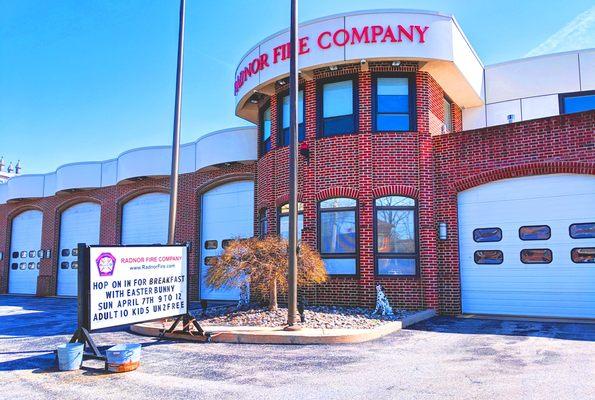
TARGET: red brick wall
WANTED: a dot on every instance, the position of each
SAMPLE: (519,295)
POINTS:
(111,200)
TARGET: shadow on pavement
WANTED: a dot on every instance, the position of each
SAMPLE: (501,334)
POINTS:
(555,330)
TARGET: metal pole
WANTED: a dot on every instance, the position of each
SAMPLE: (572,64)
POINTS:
(293,167)
(175,148)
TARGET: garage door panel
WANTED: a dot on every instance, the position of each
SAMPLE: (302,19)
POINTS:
(227,213)
(78,224)
(561,288)
(25,241)
(145,219)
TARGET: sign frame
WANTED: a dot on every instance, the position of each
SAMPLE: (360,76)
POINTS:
(84,285)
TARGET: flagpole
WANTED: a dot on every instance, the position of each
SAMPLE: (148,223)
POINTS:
(175,148)
(293,167)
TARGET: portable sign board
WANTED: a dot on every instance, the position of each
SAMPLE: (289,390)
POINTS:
(131,284)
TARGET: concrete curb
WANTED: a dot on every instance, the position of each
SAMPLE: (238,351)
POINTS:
(256,335)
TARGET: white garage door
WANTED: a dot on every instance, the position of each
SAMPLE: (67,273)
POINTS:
(227,213)
(144,219)
(25,243)
(527,247)
(78,224)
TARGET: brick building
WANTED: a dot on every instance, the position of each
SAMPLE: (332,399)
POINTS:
(457,186)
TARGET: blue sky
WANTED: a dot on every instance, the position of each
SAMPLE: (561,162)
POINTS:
(86,79)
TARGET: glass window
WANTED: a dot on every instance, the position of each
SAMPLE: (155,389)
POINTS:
(23,265)
(488,257)
(284,221)
(38,265)
(15,254)
(537,232)
(583,230)
(395,228)
(211,244)
(536,256)
(225,243)
(31,265)
(285,119)
(23,254)
(447,114)
(65,252)
(338,235)
(211,260)
(583,255)
(40,253)
(263,223)
(487,235)
(577,102)
(14,266)
(64,265)
(265,130)
(338,108)
(32,253)
(392,104)
(74,252)
(74,265)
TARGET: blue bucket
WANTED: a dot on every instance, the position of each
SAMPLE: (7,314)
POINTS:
(70,356)
(123,357)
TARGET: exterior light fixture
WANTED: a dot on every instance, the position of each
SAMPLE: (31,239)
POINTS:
(253,101)
(281,82)
(510,118)
(442,231)
(305,150)
(333,67)
(363,61)
(396,63)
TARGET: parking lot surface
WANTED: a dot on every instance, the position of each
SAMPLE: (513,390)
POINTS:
(446,358)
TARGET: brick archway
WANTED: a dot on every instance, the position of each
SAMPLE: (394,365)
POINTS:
(515,171)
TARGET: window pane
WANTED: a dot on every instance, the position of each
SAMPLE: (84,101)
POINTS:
(536,256)
(447,114)
(301,135)
(395,231)
(396,266)
(393,86)
(582,231)
(211,244)
(64,265)
(487,235)
(338,125)
(338,202)
(395,201)
(285,110)
(340,266)
(583,255)
(284,226)
(266,124)
(337,98)
(65,252)
(579,103)
(488,257)
(337,232)
(285,207)
(392,122)
(538,232)
(393,104)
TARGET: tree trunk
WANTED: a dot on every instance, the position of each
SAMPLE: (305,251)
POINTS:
(273,296)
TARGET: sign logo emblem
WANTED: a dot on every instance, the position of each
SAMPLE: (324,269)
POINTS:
(106,263)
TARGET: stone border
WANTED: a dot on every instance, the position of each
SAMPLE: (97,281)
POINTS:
(257,335)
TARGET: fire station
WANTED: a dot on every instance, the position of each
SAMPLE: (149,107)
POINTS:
(459,186)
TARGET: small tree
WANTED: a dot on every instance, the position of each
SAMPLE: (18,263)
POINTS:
(264,263)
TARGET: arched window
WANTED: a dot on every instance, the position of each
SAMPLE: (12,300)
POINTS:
(395,227)
(337,235)
(284,220)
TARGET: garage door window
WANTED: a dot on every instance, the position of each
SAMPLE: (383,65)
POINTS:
(583,255)
(536,256)
(482,235)
(396,236)
(488,257)
(537,232)
(582,231)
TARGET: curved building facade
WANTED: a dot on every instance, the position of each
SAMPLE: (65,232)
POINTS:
(457,186)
